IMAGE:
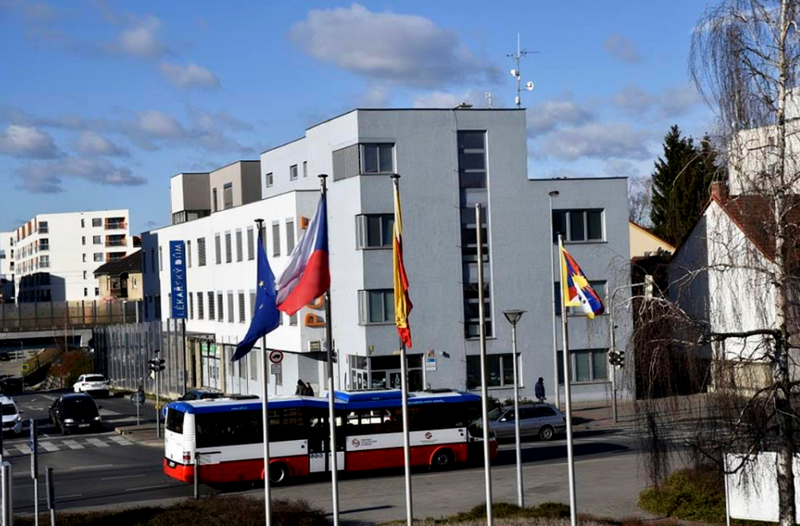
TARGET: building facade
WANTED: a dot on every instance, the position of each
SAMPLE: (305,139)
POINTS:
(6,267)
(448,161)
(56,255)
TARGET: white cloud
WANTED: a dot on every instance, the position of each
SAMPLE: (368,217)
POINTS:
(551,114)
(46,177)
(141,38)
(621,167)
(671,102)
(622,48)
(189,76)
(27,141)
(90,143)
(595,140)
(159,125)
(402,49)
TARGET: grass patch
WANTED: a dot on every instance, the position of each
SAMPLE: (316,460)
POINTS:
(502,511)
(695,494)
(211,511)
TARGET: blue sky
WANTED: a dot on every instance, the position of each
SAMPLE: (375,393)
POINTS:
(101,102)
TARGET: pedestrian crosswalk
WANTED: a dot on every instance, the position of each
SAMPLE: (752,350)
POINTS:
(53,445)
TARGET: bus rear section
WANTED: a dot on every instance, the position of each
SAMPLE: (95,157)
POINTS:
(225,438)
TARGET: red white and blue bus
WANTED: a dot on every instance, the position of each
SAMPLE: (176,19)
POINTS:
(227,433)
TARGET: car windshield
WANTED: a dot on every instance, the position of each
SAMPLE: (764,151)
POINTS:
(79,407)
(95,378)
(9,409)
(494,414)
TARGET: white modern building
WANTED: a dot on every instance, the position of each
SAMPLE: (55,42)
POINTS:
(448,160)
(7,266)
(55,255)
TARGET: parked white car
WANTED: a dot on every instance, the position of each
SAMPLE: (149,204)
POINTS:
(93,384)
(12,422)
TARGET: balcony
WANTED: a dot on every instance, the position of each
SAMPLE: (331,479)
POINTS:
(43,247)
(116,242)
(116,224)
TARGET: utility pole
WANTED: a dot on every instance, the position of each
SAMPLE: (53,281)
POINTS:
(517,74)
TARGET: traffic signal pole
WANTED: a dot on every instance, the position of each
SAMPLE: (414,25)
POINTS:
(156,366)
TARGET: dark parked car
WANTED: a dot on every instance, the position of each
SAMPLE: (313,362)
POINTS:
(11,386)
(199,394)
(5,356)
(75,412)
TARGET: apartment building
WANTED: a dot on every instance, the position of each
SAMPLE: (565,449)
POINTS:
(448,160)
(56,255)
(6,266)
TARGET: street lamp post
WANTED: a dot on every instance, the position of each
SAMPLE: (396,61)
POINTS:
(551,195)
(513,317)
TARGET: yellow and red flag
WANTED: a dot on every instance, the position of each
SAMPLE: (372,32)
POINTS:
(402,303)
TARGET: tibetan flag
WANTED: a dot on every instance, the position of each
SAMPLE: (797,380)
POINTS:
(402,303)
(266,317)
(576,289)
(307,275)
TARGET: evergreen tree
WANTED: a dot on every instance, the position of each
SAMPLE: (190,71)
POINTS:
(681,181)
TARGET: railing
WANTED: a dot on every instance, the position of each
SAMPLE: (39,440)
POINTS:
(115,242)
(56,315)
(115,226)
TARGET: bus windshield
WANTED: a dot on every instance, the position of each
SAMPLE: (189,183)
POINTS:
(175,421)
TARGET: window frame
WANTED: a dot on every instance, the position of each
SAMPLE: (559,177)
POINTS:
(227,192)
(593,378)
(385,222)
(365,307)
(362,148)
(503,368)
(269,179)
(293,172)
(568,216)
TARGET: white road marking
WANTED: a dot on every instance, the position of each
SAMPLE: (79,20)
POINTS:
(97,442)
(122,441)
(23,448)
(125,477)
(149,487)
(49,446)
(79,468)
(62,497)
(72,444)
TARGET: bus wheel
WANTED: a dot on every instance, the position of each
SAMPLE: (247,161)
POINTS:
(278,473)
(546,433)
(442,460)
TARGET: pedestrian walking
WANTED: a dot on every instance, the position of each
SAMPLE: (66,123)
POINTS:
(301,388)
(538,390)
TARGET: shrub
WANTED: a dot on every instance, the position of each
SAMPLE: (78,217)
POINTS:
(72,365)
(696,494)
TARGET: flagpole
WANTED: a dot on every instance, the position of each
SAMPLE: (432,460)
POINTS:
(265,409)
(331,402)
(573,513)
(484,389)
(404,388)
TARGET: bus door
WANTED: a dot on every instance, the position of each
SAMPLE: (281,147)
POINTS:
(319,452)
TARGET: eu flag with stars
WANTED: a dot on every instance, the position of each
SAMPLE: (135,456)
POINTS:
(266,316)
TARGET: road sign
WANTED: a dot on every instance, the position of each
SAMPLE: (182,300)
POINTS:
(430,360)
(275,357)
(276,369)
(137,398)
(24,366)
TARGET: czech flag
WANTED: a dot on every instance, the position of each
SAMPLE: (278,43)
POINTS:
(576,289)
(307,275)
(402,303)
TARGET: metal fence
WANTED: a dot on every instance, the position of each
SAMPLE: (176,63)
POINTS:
(123,352)
(46,315)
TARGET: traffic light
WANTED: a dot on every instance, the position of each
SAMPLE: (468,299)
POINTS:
(616,358)
(157,365)
(620,359)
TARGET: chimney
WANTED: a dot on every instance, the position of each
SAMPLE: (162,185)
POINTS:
(719,191)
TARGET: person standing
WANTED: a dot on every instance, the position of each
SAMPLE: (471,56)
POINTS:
(301,388)
(538,390)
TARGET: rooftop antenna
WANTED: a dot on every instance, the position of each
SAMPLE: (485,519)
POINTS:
(489,98)
(517,74)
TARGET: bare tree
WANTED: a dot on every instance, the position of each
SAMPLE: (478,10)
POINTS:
(727,317)
(640,193)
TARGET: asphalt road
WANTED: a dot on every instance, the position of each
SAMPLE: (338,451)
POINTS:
(101,469)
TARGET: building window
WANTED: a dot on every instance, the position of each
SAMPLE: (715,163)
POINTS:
(157,306)
(44,244)
(377,158)
(293,319)
(253,357)
(97,240)
(276,239)
(471,314)
(83,240)
(43,229)
(218,248)
(376,306)
(499,370)
(305,168)
(293,172)
(250,243)
(472,159)
(578,225)
(189,254)
(230,307)
(220,307)
(85,292)
(227,195)
(211,306)
(98,256)
(201,252)
(83,223)
(228,248)
(160,259)
(84,258)
(374,230)
(191,306)
(96,222)
(598,286)
(385,371)
(252,303)
(44,261)
(242,308)
(97,291)
(85,274)
(200,312)
(214,205)
(289,235)
(239,248)
(269,178)
(586,365)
